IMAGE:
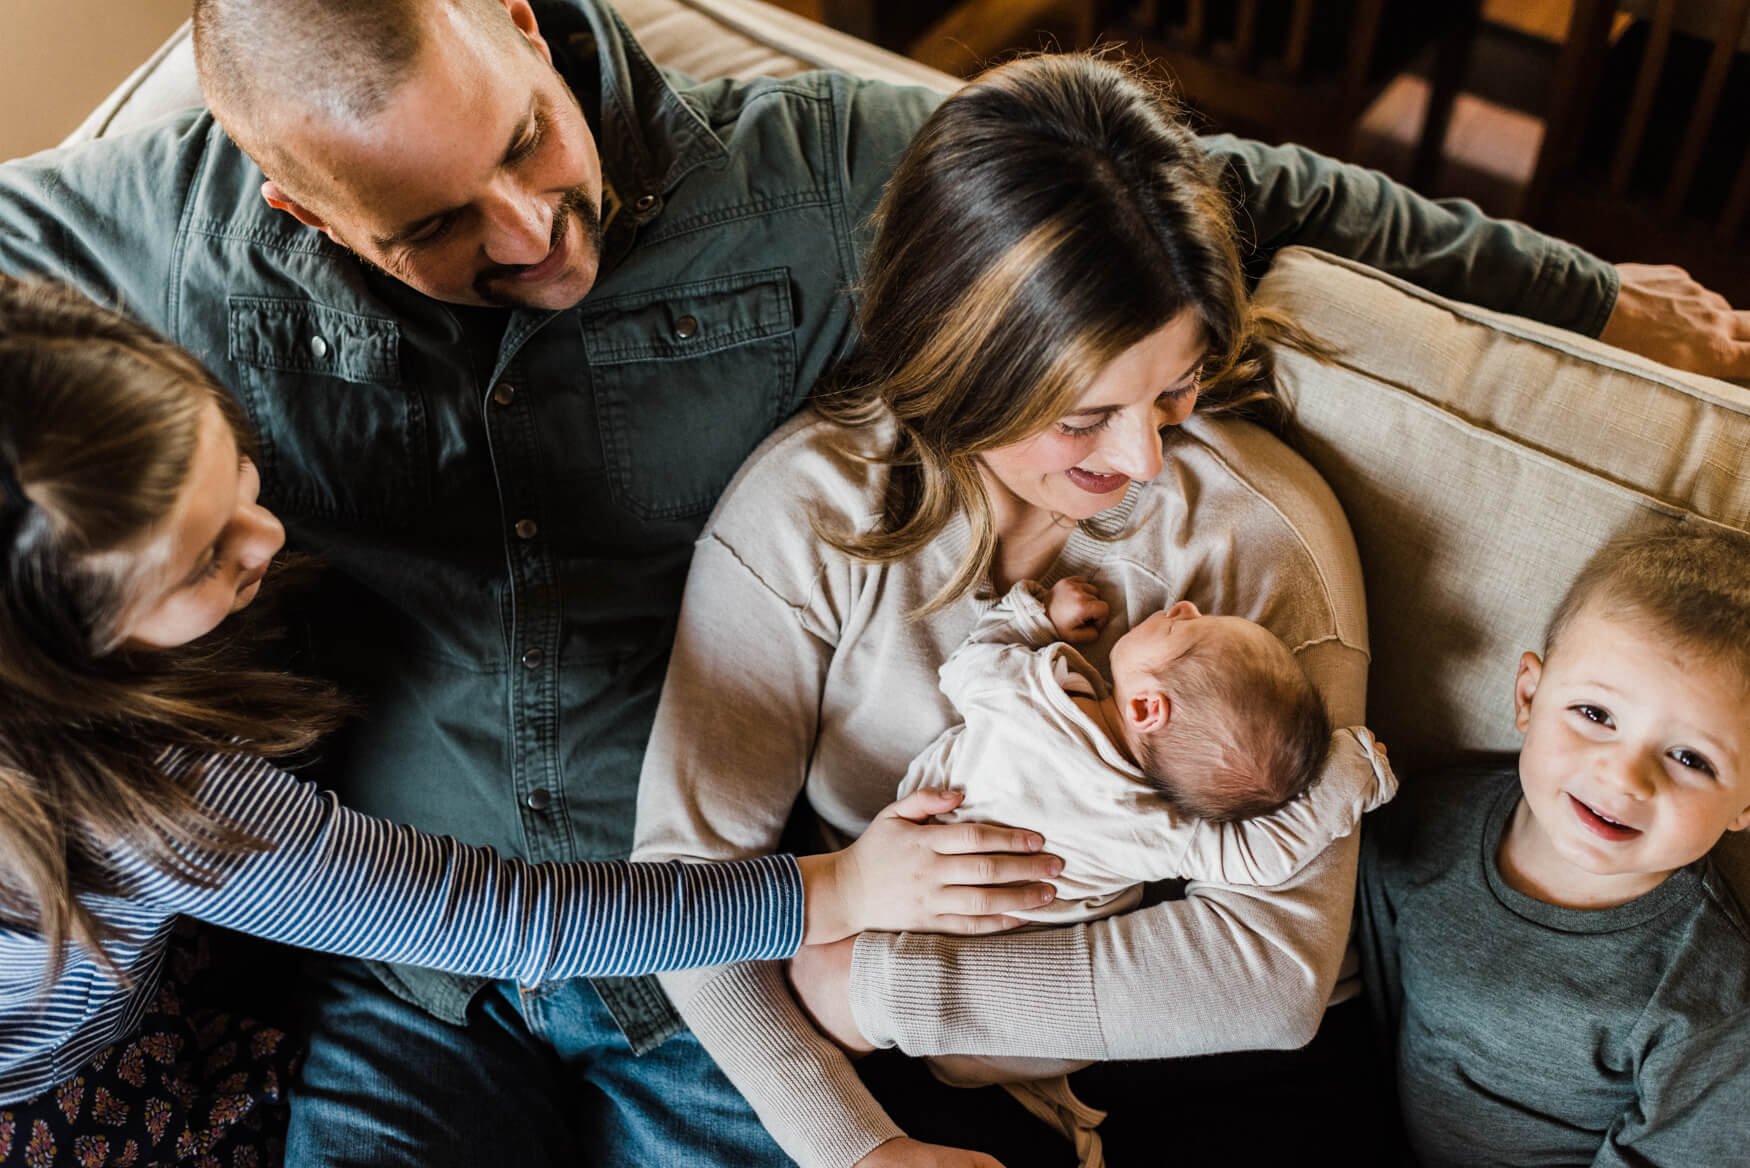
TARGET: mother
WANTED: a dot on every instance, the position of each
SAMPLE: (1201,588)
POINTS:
(1054,290)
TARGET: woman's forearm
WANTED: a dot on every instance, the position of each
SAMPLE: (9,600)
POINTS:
(1223,969)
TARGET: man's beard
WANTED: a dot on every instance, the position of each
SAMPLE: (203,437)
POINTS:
(576,199)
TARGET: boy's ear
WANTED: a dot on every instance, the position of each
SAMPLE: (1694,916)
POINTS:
(275,196)
(1148,711)
(1524,687)
(1740,823)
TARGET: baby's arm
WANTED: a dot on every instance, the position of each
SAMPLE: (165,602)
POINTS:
(1028,617)
(1270,849)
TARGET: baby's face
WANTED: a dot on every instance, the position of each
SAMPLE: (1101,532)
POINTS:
(1147,653)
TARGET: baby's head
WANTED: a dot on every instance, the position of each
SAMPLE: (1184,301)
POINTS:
(1218,714)
(1637,716)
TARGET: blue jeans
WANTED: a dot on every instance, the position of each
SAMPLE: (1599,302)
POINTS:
(534,1079)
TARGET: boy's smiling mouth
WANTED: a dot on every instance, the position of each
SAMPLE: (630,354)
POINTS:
(1602,825)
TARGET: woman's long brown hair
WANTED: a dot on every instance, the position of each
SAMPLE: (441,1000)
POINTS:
(98,426)
(1047,217)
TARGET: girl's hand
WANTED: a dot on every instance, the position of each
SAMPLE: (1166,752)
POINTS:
(909,1153)
(1075,609)
(908,874)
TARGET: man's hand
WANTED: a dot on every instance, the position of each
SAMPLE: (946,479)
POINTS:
(1076,610)
(1662,313)
(820,977)
(907,1153)
(905,873)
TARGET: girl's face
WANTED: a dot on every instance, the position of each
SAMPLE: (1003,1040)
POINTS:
(210,554)
(1081,464)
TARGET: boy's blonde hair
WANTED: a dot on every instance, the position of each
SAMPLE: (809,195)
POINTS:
(1248,733)
(1690,581)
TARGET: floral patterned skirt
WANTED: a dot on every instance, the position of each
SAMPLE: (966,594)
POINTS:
(193,1086)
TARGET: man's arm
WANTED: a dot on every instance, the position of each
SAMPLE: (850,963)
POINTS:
(1291,195)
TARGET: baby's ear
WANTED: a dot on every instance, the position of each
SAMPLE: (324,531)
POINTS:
(1740,823)
(1148,711)
(1524,688)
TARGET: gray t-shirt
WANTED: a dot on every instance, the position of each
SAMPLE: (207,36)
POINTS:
(1527,1033)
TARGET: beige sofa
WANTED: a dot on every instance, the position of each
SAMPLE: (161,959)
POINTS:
(1480,457)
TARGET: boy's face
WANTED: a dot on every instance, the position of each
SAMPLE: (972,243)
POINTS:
(1636,757)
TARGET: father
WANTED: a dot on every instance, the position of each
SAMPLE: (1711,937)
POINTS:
(508,306)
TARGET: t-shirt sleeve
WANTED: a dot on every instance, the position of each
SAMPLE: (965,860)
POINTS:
(337,881)
(1690,1103)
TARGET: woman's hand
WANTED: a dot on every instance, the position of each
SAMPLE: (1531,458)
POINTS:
(908,1153)
(906,874)
(820,977)
(1075,609)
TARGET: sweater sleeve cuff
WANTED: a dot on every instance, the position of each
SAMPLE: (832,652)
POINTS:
(930,994)
(803,1088)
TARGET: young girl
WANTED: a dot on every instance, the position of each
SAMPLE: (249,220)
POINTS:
(137,785)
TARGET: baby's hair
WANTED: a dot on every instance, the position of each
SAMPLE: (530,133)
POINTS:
(1690,582)
(1248,734)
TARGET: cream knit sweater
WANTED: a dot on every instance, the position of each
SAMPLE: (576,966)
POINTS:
(798,673)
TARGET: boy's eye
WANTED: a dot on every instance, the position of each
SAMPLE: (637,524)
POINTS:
(1685,757)
(1597,714)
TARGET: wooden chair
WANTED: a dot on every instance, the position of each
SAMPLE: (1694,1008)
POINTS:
(1305,70)
(1647,151)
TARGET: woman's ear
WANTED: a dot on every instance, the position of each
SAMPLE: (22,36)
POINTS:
(1148,711)
(1524,687)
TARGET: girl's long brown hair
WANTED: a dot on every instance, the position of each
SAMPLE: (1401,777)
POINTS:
(98,426)
(1047,217)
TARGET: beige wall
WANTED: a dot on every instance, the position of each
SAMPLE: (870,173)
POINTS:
(59,57)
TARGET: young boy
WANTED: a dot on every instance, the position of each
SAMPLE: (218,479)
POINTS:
(1563,975)
(1201,759)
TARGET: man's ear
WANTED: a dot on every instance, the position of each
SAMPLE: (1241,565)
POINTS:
(280,201)
(523,17)
(1148,711)
(1524,687)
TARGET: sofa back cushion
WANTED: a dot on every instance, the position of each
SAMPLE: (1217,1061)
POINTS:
(1481,458)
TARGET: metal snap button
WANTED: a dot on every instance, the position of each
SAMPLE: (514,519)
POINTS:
(539,799)
(504,394)
(643,203)
(526,529)
(532,658)
(687,327)
(318,347)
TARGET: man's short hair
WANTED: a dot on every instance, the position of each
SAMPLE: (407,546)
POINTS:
(1248,734)
(341,59)
(1691,582)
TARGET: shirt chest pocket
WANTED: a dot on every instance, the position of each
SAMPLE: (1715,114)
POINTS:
(341,437)
(687,380)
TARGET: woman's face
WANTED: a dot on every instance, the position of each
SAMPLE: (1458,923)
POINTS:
(1080,465)
(208,558)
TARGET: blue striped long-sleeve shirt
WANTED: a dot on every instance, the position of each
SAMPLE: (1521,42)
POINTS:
(347,883)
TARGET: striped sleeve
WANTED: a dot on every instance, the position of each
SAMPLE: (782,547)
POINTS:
(341,882)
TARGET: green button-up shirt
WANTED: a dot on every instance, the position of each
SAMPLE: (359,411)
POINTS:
(509,500)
